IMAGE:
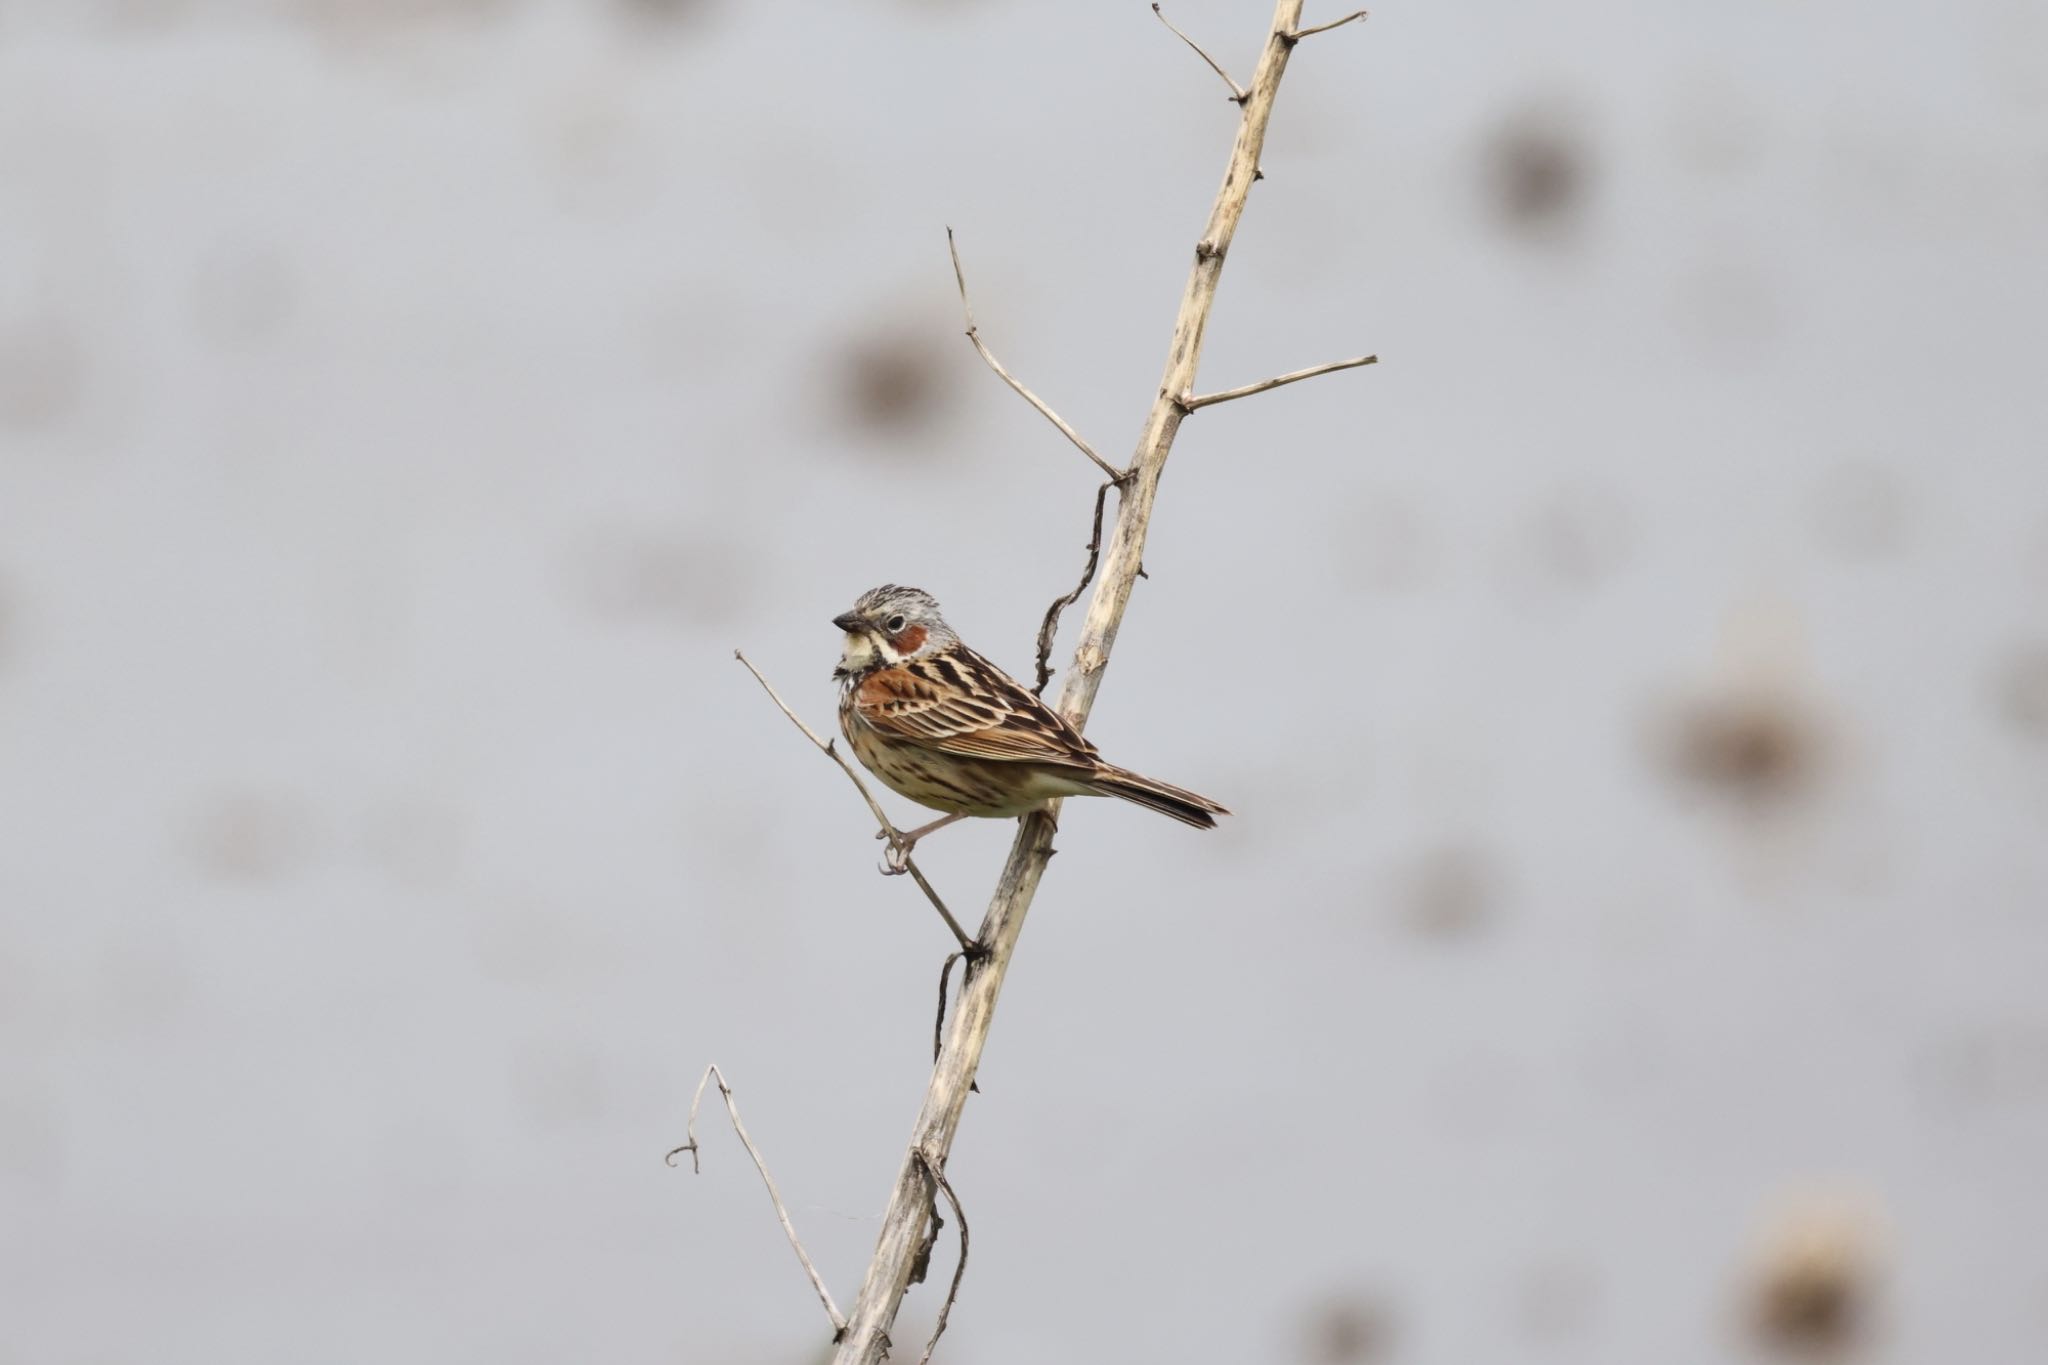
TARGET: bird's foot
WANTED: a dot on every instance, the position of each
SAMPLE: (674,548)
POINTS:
(896,858)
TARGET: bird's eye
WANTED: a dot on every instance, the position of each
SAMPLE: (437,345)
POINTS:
(893,624)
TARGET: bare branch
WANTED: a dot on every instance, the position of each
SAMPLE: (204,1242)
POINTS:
(965,1033)
(1237,92)
(1060,604)
(781,1211)
(1301,33)
(889,831)
(1193,402)
(974,335)
(942,1185)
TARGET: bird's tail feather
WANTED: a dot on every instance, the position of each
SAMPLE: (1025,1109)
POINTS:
(1179,802)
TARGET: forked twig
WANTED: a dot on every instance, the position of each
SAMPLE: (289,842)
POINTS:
(974,335)
(1060,604)
(781,1212)
(942,1185)
(1237,92)
(894,835)
(1194,401)
(1298,34)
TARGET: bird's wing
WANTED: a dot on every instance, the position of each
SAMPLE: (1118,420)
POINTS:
(959,703)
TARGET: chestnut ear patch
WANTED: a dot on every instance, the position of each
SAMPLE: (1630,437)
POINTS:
(908,640)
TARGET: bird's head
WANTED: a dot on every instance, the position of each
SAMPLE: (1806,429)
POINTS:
(888,625)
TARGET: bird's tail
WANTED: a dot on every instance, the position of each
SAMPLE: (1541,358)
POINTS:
(1179,802)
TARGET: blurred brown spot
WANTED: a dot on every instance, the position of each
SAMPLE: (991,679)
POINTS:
(414,842)
(1575,538)
(891,385)
(1448,892)
(642,575)
(559,1083)
(665,14)
(41,365)
(251,837)
(2022,689)
(1729,305)
(1860,512)
(1385,543)
(1986,1068)
(1716,127)
(1816,1274)
(34,1142)
(1756,745)
(242,296)
(1475,1097)
(1353,1328)
(1537,172)
(360,16)
(146,984)
(148,14)
(1556,1303)
(1625,1057)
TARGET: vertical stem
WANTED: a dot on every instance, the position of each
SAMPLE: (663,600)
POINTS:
(866,1338)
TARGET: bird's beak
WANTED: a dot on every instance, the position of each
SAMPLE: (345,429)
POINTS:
(849,621)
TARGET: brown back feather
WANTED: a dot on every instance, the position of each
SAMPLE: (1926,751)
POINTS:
(959,703)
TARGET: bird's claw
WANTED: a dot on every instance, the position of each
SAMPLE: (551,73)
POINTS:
(896,860)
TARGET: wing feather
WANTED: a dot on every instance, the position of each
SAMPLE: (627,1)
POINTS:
(959,703)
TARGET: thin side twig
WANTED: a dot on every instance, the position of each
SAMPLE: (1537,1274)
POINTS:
(1238,93)
(939,1022)
(1352,17)
(894,835)
(942,1185)
(781,1211)
(1194,401)
(974,335)
(1060,604)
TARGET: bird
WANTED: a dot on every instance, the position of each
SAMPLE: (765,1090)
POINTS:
(946,728)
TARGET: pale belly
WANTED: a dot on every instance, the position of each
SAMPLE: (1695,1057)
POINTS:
(955,785)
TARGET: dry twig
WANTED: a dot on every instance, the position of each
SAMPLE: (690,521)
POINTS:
(941,1185)
(1194,401)
(732,1109)
(1352,17)
(974,335)
(1051,623)
(945,983)
(889,831)
(1238,93)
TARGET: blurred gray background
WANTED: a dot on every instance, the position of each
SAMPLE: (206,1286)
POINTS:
(1633,692)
